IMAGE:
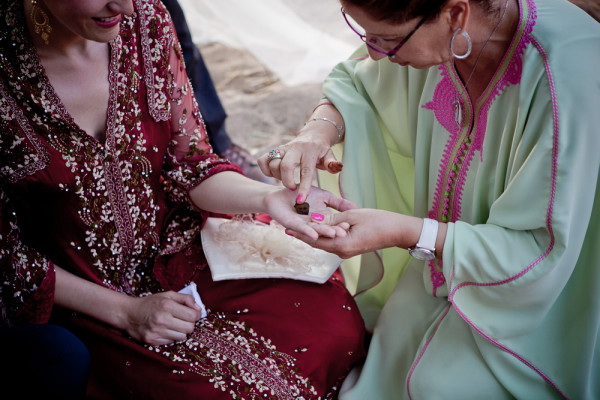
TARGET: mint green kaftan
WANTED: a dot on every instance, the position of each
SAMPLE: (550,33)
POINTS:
(513,309)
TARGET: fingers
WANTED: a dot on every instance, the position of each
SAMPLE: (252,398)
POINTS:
(324,224)
(327,218)
(331,163)
(287,169)
(339,204)
(308,171)
(263,164)
(324,243)
(165,317)
(308,230)
(186,309)
(283,161)
(324,230)
(269,162)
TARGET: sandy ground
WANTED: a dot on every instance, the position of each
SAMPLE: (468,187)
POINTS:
(262,112)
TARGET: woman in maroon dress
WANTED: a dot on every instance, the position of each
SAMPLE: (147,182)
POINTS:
(106,177)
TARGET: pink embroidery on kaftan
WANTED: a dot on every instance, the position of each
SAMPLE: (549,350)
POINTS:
(512,75)
(464,141)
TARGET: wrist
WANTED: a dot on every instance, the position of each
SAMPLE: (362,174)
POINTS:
(266,199)
(312,135)
(339,127)
(121,316)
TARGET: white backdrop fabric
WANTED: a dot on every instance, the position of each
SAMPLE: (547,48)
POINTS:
(298,40)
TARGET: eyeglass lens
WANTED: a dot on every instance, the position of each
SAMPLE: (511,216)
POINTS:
(374,42)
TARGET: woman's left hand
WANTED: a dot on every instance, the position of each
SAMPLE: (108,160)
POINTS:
(280,206)
(368,230)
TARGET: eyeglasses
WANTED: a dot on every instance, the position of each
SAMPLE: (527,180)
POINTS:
(372,43)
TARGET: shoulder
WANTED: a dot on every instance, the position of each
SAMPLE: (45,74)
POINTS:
(565,34)
(567,41)
(150,18)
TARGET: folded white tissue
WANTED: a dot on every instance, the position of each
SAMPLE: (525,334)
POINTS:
(242,249)
(192,290)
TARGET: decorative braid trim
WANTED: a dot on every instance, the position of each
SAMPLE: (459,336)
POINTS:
(465,140)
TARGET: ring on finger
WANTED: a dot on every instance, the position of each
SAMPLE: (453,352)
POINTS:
(274,154)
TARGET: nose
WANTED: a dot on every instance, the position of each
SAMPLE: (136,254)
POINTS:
(375,55)
(121,6)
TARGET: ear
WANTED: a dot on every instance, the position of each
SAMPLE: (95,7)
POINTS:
(456,13)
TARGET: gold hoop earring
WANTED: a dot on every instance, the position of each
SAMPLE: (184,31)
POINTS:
(41,22)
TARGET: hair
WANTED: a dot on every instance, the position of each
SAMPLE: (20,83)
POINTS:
(398,11)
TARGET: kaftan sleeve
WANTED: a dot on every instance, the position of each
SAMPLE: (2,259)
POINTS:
(539,236)
(26,276)
(378,168)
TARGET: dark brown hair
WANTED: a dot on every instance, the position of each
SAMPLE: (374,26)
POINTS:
(398,11)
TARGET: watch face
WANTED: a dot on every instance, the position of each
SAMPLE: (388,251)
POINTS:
(422,254)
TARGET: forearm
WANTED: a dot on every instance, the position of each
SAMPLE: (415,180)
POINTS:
(78,294)
(231,193)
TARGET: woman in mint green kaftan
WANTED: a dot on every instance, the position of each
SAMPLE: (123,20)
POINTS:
(511,308)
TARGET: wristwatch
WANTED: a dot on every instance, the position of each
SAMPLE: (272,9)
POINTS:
(425,247)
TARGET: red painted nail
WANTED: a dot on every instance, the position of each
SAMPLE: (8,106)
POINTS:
(299,198)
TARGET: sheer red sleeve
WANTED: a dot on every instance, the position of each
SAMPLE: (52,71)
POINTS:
(26,276)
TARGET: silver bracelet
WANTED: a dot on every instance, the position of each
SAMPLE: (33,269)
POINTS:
(340,128)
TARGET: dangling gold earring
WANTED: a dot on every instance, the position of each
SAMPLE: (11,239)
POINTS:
(41,22)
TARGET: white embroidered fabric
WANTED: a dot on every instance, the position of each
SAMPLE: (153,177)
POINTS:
(242,248)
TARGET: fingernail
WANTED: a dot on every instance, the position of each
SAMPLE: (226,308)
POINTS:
(289,234)
(335,166)
(317,216)
(299,198)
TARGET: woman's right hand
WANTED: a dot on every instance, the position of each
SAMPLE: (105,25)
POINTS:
(162,318)
(310,150)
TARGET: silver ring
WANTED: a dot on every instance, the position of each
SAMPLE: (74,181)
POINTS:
(274,154)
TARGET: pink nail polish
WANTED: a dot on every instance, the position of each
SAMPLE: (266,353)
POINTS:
(299,198)
(317,216)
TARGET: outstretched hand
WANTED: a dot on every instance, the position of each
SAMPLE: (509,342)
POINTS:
(280,204)
(368,230)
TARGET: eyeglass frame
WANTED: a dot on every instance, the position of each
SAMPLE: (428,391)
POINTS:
(391,53)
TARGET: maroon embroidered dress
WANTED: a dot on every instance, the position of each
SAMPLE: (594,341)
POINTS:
(118,214)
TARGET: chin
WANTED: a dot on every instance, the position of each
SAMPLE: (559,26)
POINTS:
(423,66)
(103,38)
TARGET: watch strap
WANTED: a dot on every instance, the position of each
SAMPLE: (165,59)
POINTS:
(428,234)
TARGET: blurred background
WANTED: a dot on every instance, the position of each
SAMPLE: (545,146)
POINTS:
(267,59)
